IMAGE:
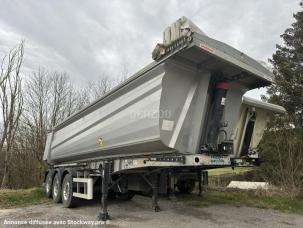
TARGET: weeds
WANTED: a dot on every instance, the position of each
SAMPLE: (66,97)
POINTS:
(259,199)
(21,197)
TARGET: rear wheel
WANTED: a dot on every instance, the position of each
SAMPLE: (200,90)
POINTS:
(57,189)
(68,199)
(48,185)
(186,186)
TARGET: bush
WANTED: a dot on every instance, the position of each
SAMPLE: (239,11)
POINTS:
(281,152)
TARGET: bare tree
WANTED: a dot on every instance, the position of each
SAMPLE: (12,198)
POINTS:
(35,117)
(50,97)
(11,103)
(99,88)
(46,100)
(83,98)
(123,75)
(61,93)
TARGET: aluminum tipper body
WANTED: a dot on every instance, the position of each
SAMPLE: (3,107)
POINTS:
(187,101)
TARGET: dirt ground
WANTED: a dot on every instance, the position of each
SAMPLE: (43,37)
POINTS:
(138,213)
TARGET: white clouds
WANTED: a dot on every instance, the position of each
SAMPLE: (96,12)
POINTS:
(89,38)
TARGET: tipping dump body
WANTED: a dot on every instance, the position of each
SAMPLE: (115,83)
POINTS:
(164,108)
(252,122)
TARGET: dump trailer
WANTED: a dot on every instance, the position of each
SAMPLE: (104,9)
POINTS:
(252,121)
(160,128)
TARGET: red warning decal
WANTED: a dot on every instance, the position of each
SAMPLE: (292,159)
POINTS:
(206,48)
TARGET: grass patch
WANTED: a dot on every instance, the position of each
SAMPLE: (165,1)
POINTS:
(246,198)
(21,197)
(228,170)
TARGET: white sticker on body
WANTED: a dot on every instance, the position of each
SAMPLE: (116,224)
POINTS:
(223,101)
(167,125)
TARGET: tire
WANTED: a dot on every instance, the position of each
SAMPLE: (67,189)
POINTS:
(125,196)
(56,189)
(186,186)
(48,185)
(68,199)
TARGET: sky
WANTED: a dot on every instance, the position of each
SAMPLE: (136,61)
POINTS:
(96,38)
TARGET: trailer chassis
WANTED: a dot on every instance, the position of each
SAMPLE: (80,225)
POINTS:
(149,171)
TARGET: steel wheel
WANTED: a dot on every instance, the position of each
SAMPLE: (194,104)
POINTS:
(65,192)
(68,199)
(57,189)
(48,185)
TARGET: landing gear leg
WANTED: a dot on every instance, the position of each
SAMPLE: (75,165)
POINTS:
(199,175)
(155,193)
(205,178)
(103,215)
(155,188)
(171,189)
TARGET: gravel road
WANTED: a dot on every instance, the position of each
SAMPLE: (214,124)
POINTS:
(138,213)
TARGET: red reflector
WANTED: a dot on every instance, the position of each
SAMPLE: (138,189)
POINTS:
(222,85)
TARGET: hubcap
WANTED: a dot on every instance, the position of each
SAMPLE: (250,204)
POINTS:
(66,191)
